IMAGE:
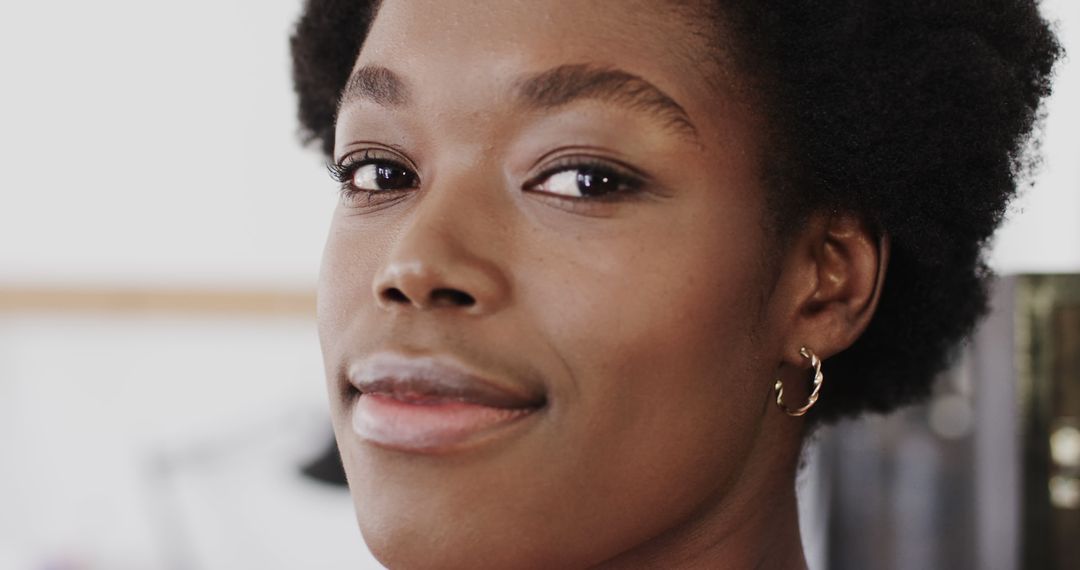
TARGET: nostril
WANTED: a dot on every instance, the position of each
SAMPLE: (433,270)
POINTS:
(444,297)
(452,297)
(394,295)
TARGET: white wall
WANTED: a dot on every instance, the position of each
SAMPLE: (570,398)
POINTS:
(153,141)
(1042,231)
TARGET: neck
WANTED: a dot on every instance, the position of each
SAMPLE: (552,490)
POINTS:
(753,523)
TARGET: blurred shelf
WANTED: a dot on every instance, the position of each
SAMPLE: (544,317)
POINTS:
(156,300)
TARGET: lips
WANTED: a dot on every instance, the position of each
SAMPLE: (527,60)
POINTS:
(428,404)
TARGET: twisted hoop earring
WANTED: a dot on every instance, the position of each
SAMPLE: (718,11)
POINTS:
(815,363)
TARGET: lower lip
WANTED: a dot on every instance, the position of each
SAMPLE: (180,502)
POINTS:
(427,427)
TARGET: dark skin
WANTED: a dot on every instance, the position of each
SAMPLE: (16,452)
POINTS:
(653,316)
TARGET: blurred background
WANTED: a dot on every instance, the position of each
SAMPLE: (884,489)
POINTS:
(161,389)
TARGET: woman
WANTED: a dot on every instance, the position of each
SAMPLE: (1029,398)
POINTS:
(590,256)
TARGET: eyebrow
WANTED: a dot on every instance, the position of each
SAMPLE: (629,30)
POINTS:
(546,90)
(570,83)
(376,84)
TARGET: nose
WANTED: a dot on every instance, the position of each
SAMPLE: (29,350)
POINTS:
(442,260)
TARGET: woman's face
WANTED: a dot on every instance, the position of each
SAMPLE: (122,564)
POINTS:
(551,285)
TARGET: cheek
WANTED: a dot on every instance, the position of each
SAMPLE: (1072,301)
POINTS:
(667,308)
(350,259)
(656,330)
(345,301)
(334,306)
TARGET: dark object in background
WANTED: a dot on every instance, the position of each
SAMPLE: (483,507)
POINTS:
(327,468)
(986,474)
(1048,366)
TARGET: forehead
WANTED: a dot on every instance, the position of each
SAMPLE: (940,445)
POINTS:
(668,27)
(470,42)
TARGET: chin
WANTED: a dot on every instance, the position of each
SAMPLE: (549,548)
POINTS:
(415,537)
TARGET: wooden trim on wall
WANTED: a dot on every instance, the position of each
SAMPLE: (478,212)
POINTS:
(156,300)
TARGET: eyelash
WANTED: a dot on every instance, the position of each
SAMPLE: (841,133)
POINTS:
(344,172)
(630,184)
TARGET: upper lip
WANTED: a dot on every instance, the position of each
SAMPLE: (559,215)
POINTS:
(430,378)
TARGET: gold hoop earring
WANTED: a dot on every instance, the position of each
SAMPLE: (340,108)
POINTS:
(815,363)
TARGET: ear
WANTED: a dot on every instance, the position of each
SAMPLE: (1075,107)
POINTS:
(832,276)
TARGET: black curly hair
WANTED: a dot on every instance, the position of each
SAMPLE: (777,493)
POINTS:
(916,115)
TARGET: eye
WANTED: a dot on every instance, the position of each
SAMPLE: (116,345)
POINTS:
(373,178)
(586,181)
(378,176)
